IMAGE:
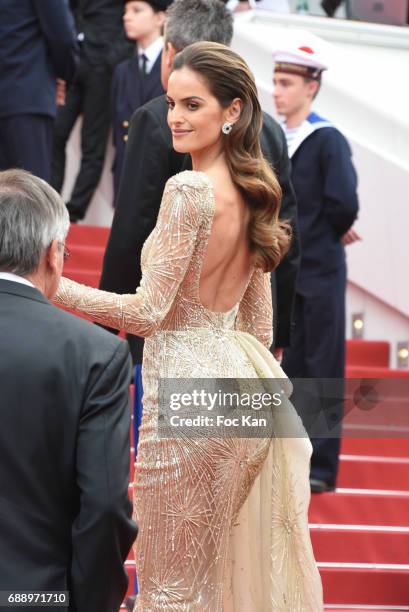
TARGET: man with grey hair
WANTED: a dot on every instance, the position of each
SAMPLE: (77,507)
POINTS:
(65,516)
(150,161)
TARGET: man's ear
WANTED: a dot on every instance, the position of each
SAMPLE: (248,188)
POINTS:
(53,257)
(161,18)
(170,53)
(233,112)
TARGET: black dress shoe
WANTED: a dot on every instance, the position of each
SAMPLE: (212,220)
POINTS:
(320,486)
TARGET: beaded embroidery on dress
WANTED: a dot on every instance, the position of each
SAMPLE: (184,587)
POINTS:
(222,522)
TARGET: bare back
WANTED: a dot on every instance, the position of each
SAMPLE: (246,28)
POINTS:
(227,265)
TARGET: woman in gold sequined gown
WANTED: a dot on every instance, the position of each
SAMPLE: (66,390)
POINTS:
(222,521)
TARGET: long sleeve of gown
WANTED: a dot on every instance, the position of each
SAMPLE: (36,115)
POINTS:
(168,254)
(255,315)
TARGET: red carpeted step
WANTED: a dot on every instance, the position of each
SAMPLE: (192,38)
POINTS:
(378,405)
(373,472)
(86,277)
(84,258)
(360,507)
(374,372)
(88,235)
(360,543)
(386,447)
(378,585)
(382,418)
(367,353)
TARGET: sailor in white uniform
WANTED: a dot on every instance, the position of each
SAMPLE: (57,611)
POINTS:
(325,183)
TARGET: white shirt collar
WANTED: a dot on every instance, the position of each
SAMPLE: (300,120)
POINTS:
(15,278)
(152,52)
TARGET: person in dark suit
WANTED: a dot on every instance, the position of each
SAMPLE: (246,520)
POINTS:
(325,182)
(331,6)
(150,161)
(136,80)
(65,516)
(102,46)
(37,47)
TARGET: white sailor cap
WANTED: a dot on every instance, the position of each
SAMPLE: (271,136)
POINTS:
(303,60)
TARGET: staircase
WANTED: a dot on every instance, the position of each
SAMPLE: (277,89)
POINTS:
(360,532)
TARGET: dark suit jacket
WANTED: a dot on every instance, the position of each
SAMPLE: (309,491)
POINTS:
(129,92)
(37,46)
(150,161)
(64,446)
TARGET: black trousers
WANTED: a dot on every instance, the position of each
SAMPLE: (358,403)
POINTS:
(88,95)
(136,345)
(318,352)
(26,142)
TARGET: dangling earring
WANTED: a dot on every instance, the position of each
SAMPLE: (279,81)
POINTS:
(227,127)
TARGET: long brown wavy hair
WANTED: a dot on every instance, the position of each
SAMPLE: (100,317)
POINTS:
(228,77)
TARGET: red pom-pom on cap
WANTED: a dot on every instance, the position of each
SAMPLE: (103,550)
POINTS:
(306,50)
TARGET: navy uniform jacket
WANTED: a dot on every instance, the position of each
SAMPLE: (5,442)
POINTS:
(37,46)
(129,92)
(325,183)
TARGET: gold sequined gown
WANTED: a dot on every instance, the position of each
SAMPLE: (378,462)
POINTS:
(222,522)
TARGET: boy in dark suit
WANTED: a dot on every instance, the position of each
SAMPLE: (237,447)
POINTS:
(137,80)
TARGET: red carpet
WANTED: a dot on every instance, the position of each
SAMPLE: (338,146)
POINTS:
(360,532)
(371,353)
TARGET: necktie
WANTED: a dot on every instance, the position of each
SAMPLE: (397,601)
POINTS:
(143,60)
